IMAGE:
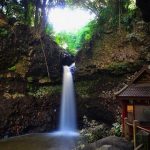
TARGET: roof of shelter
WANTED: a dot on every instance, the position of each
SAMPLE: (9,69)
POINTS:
(139,87)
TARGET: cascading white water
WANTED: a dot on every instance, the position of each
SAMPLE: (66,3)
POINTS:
(68,114)
(67,122)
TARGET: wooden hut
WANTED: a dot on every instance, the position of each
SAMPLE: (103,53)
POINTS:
(135,101)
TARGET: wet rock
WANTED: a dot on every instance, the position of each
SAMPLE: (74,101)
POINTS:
(108,147)
(110,143)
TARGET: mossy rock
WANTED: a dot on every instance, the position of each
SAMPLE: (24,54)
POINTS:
(44,80)
(22,66)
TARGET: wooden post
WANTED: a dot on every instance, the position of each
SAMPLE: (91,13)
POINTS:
(124,114)
(135,124)
(126,128)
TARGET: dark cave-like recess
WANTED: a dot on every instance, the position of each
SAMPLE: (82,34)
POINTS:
(144,6)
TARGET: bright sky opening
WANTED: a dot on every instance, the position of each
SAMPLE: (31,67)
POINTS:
(69,20)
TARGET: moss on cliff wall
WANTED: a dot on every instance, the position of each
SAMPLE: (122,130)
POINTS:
(118,52)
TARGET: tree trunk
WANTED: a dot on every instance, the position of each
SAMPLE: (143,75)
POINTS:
(36,19)
(43,23)
(26,14)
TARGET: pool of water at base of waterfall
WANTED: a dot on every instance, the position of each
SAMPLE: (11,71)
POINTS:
(40,141)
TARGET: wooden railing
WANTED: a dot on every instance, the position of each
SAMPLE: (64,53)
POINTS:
(135,126)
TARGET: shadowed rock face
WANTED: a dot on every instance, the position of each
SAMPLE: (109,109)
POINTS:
(27,115)
(144,6)
(66,59)
(23,48)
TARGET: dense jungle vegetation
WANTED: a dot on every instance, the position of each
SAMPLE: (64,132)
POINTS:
(110,15)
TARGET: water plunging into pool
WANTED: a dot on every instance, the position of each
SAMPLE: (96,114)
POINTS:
(67,121)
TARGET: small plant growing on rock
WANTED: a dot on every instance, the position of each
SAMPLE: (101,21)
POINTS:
(13,68)
(117,128)
(44,91)
(29,79)
(93,130)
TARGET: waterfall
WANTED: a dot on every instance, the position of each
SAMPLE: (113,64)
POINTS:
(68,113)
(67,121)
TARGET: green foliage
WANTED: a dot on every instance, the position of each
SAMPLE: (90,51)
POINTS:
(13,9)
(43,91)
(85,34)
(3,32)
(75,41)
(31,88)
(67,40)
(117,129)
(13,68)
(83,88)
(129,15)
(49,30)
(29,79)
(105,15)
(30,14)
(108,17)
(132,5)
(123,67)
(93,131)
(120,67)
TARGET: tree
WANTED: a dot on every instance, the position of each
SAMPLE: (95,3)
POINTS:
(36,19)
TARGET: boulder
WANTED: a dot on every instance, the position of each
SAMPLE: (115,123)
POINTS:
(110,143)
